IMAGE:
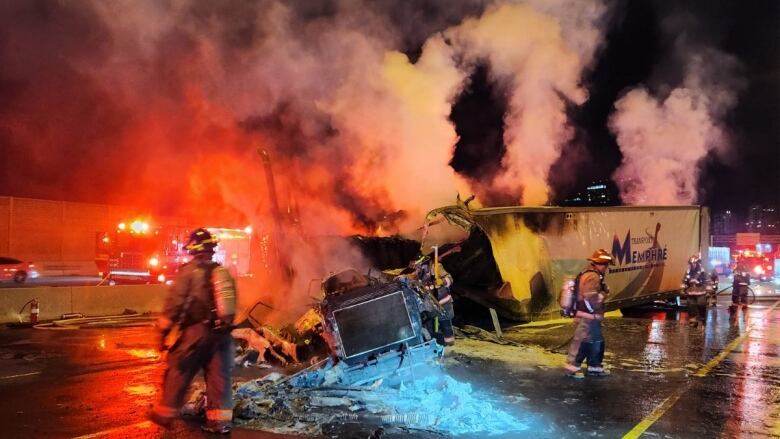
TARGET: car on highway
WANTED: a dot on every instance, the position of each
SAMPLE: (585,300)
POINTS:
(16,270)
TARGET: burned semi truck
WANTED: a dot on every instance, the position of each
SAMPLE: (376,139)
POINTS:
(515,259)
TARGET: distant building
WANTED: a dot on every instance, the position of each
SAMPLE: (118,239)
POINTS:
(763,219)
(598,193)
(724,223)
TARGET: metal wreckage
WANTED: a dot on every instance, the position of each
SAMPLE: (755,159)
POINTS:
(382,367)
(378,333)
(379,336)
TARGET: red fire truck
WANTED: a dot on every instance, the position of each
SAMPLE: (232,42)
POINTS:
(759,264)
(137,251)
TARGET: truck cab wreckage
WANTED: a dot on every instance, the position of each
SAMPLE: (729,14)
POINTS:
(378,331)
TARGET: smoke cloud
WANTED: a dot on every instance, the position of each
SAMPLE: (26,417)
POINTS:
(538,53)
(165,104)
(664,132)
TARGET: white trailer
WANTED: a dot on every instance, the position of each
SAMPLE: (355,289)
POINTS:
(514,259)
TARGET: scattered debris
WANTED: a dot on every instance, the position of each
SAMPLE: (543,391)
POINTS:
(422,398)
(257,347)
(384,370)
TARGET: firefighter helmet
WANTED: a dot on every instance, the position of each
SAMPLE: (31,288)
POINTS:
(601,257)
(201,241)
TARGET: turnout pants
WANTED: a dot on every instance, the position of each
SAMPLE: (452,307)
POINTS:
(739,296)
(697,307)
(199,348)
(445,324)
(587,344)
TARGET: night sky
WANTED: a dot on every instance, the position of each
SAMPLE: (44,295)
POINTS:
(87,130)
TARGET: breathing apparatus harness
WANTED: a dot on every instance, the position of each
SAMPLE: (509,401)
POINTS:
(571,303)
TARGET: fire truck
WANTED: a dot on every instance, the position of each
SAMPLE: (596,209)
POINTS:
(759,264)
(138,252)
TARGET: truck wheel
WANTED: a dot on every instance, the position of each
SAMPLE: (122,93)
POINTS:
(20,277)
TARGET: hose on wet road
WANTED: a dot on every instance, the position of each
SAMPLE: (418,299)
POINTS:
(116,321)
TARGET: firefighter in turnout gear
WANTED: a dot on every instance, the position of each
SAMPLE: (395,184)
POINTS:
(692,274)
(696,283)
(435,278)
(202,303)
(739,289)
(588,341)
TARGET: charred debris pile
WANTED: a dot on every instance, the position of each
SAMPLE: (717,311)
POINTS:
(381,366)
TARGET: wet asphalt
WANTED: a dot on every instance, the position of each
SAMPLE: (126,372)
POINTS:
(668,380)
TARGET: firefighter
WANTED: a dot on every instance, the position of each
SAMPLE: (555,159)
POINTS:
(694,289)
(202,303)
(588,341)
(693,271)
(435,278)
(712,288)
(739,289)
(696,296)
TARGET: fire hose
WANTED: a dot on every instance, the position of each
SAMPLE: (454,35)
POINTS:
(34,310)
(116,321)
(752,293)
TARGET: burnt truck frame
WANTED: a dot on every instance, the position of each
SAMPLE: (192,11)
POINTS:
(515,259)
(374,325)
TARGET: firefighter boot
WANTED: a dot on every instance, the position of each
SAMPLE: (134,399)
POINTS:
(217,427)
(597,372)
(163,421)
(573,372)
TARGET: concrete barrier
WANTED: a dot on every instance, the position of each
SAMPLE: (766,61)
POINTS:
(106,300)
(53,302)
(90,301)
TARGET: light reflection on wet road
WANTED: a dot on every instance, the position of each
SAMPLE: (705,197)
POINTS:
(73,383)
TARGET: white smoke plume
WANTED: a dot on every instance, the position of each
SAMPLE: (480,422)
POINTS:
(173,99)
(539,51)
(665,136)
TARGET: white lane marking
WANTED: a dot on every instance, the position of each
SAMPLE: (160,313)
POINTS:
(143,424)
(18,376)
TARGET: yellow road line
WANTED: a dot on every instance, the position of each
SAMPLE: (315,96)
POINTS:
(704,370)
(143,424)
(666,404)
(656,414)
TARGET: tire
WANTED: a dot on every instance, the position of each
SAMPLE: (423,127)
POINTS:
(20,277)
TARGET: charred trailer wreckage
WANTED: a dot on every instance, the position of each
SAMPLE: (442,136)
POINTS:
(517,259)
